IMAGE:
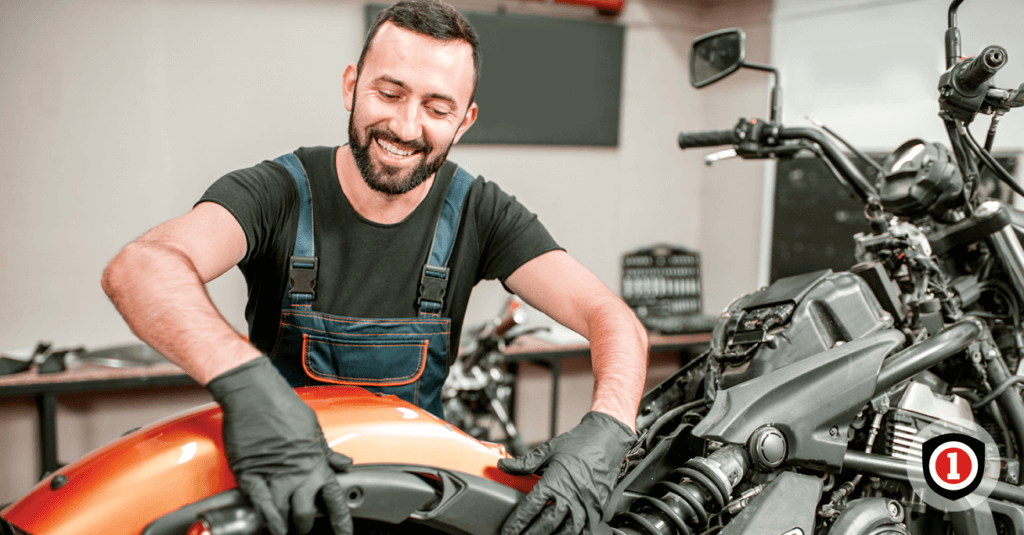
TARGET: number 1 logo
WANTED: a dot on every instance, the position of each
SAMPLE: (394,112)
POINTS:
(953,464)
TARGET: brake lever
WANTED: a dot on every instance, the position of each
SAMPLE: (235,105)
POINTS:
(1005,98)
(778,151)
(710,159)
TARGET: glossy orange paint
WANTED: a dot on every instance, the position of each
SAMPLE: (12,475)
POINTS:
(124,485)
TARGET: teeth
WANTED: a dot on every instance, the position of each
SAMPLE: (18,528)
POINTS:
(393,149)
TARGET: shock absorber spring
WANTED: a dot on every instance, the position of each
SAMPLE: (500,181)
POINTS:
(687,497)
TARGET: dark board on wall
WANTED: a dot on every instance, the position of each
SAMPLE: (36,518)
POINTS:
(815,220)
(545,81)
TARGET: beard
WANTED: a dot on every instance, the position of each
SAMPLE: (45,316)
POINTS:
(386,178)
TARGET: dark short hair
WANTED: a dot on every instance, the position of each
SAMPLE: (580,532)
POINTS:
(432,18)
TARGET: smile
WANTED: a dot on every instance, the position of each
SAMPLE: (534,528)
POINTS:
(391,149)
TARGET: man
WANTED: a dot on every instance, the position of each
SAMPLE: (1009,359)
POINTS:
(381,239)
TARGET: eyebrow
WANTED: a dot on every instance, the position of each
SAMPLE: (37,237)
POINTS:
(438,96)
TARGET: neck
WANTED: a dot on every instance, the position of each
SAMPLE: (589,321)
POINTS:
(370,203)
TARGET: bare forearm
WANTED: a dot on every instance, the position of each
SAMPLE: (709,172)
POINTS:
(164,301)
(619,349)
(565,290)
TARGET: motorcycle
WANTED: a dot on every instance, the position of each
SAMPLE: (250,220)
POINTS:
(812,412)
(477,395)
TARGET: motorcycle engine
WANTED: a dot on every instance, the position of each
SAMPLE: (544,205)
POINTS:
(918,408)
(794,318)
(904,428)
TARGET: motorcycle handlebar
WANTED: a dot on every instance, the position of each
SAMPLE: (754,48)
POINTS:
(707,138)
(761,142)
(862,186)
(981,68)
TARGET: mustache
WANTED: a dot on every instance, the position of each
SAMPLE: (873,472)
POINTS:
(386,134)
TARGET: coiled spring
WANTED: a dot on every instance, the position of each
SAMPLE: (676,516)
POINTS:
(684,507)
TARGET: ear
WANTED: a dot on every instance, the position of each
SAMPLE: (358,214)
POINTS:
(467,122)
(348,84)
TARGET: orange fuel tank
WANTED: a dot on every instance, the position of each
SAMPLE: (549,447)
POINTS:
(123,486)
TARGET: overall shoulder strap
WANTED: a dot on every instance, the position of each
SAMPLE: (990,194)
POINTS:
(434,277)
(302,266)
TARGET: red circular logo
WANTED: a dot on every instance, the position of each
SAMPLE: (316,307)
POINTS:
(953,465)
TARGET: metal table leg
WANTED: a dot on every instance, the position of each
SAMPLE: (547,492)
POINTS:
(556,368)
(47,406)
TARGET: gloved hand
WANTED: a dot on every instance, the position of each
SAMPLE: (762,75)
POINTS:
(579,468)
(277,450)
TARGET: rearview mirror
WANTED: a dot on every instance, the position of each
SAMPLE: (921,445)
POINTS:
(716,55)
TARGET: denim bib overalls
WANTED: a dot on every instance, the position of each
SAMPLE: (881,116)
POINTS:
(406,357)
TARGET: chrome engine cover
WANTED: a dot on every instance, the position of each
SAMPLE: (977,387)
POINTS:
(918,408)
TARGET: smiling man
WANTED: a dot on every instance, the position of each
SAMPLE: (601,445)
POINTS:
(358,257)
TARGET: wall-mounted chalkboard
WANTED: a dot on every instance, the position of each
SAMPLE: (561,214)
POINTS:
(544,81)
(815,220)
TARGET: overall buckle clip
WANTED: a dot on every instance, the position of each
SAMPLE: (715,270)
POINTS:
(302,275)
(433,284)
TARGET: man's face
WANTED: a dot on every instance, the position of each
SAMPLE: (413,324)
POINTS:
(413,104)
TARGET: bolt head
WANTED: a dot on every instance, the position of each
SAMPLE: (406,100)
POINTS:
(767,447)
(58,481)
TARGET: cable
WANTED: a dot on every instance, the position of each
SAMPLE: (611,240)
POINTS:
(1001,173)
(665,418)
(987,315)
(990,261)
(1001,289)
(990,138)
(998,391)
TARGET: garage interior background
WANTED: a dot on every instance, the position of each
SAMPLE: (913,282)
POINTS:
(116,115)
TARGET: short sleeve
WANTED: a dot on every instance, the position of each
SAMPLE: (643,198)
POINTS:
(510,234)
(261,198)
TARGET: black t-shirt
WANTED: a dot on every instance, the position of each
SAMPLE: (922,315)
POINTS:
(367,269)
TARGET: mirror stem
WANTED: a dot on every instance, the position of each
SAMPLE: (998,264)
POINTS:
(953,36)
(776,111)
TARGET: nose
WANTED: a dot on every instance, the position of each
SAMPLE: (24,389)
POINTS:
(405,123)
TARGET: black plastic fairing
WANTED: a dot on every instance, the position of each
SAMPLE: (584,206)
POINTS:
(450,501)
(788,290)
(811,401)
(788,502)
(818,311)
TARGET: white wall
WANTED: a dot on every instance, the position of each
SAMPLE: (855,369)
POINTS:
(870,69)
(115,116)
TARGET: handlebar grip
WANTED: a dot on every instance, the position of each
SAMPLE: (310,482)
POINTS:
(981,68)
(707,138)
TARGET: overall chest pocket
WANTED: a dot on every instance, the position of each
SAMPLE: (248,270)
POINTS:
(360,362)
(371,352)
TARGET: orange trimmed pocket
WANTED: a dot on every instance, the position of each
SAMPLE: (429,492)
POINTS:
(361,362)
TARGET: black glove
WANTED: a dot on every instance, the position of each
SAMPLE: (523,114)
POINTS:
(579,468)
(277,451)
